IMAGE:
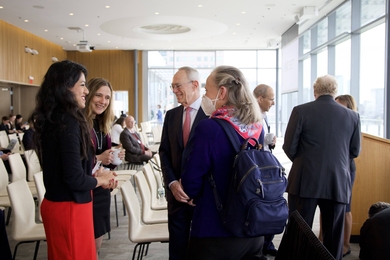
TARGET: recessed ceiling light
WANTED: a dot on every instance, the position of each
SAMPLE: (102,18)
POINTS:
(234,33)
(156,13)
(108,41)
(200,5)
(61,38)
(237,23)
(86,25)
(46,30)
(243,12)
(70,13)
(1,7)
(98,34)
(26,21)
(107,6)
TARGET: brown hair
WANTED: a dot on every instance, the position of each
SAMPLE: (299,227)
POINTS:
(348,101)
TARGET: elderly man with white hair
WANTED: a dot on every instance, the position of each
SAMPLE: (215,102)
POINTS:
(321,138)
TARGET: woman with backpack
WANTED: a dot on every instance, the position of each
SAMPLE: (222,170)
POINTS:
(210,152)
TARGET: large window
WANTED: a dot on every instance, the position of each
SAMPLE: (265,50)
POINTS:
(357,58)
(343,67)
(372,67)
(258,66)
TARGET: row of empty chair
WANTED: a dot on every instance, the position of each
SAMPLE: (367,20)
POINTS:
(147,213)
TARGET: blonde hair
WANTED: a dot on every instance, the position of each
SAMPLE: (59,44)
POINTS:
(348,101)
(239,95)
(325,85)
(104,119)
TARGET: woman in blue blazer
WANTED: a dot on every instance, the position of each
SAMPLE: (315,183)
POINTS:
(210,152)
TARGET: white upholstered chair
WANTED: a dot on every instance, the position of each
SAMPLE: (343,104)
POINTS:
(140,233)
(4,199)
(156,203)
(24,228)
(33,165)
(19,171)
(149,215)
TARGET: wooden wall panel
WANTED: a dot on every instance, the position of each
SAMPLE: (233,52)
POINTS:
(15,64)
(117,66)
(372,178)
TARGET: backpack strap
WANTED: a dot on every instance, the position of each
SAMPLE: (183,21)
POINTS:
(231,133)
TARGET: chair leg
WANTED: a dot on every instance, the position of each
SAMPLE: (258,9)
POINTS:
(109,235)
(116,211)
(8,216)
(147,250)
(36,249)
(124,208)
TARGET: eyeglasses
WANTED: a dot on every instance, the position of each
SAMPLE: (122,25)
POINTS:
(178,86)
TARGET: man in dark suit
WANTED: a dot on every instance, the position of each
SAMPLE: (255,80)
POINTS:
(265,97)
(186,87)
(321,138)
(136,151)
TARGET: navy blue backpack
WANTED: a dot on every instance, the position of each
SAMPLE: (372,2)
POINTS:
(255,205)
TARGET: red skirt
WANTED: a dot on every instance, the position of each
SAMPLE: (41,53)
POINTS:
(69,230)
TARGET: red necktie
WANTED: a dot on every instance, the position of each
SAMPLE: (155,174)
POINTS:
(187,125)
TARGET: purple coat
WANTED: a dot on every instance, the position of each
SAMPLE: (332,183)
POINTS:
(210,152)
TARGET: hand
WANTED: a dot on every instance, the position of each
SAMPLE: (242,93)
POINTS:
(4,156)
(105,178)
(106,157)
(149,153)
(121,154)
(191,203)
(274,140)
(178,192)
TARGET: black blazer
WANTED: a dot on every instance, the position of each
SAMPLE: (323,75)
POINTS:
(321,138)
(171,146)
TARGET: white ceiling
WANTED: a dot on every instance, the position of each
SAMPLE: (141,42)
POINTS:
(183,25)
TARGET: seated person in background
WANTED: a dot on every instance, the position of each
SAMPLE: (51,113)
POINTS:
(5,124)
(19,125)
(136,152)
(11,124)
(375,233)
(116,130)
(28,135)
(4,157)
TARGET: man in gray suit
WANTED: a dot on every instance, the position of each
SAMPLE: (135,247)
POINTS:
(136,151)
(321,138)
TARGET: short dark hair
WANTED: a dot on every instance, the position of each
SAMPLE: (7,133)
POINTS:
(377,207)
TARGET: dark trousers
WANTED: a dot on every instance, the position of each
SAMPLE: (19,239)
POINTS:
(5,251)
(333,214)
(226,248)
(179,223)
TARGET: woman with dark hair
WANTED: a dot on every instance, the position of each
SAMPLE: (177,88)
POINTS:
(63,144)
(99,115)
(19,125)
(228,98)
(116,130)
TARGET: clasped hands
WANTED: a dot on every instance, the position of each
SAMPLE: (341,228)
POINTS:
(106,178)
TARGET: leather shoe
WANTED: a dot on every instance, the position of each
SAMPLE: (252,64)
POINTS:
(272,252)
(347,253)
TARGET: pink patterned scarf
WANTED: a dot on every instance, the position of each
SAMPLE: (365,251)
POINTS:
(246,131)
